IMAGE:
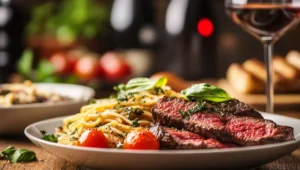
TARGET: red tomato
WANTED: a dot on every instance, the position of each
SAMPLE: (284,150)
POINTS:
(60,63)
(141,139)
(114,68)
(93,138)
(72,58)
(86,68)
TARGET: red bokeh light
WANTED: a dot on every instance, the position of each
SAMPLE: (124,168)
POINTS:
(205,27)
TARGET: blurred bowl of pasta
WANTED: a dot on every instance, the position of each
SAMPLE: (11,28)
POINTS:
(24,103)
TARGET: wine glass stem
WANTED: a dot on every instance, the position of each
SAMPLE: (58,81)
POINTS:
(268,48)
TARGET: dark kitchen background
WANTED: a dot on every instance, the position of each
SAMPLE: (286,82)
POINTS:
(104,42)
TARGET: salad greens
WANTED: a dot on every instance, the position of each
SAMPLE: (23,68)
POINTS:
(68,20)
(206,92)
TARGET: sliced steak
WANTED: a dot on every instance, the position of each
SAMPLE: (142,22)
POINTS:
(238,108)
(180,139)
(226,127)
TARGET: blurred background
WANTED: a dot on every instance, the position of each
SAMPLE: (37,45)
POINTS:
(103,42)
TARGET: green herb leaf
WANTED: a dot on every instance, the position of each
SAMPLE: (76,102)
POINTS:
(206,92)
(135,122)
(24,65)
(50,138)
(140,84)
(18,155)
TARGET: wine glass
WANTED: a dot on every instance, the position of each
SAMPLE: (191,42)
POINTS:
(267,20)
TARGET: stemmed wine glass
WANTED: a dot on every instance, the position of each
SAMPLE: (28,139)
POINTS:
(267,20)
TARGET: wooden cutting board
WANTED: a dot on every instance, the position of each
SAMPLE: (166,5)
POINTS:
(282,101)
(258,101)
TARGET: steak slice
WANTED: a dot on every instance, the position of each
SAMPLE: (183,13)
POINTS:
(180,139)
(227,127)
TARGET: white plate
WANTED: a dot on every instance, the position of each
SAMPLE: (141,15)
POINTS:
(14,119)
(233,158)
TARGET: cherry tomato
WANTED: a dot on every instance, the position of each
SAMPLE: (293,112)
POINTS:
(73,57)
(141,139)
(93,138)
(60,63)
(86,68)
(113,66)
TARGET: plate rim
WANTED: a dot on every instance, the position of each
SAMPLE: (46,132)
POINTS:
(91,93)
(160,152)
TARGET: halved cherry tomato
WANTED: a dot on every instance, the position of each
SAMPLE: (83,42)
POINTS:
(93,138)
(86,68)
(60,63)
(113,66)
(141,139)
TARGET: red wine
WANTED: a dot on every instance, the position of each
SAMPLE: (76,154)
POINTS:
(265,20)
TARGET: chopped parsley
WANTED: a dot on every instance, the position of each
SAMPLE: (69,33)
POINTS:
(183,114)
(200,107)
(122,97)
(137,111)
(158,90)
(135,122)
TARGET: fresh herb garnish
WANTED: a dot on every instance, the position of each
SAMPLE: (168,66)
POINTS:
(18,155)
(200,107)
(138,111)
(183,114)
(122,98)
(50,138)
(135,111)
(206,92)
(135,122)
(158,90)
(140,84)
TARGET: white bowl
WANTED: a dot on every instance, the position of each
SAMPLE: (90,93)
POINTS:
(13,119)
(230,158)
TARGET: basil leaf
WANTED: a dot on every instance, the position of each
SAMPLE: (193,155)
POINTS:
(23,155)
(18,155)
(206,92)
(50,138)
(141,84)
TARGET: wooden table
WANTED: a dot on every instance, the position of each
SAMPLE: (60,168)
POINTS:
(47,161)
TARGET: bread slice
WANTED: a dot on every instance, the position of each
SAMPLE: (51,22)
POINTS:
(293,58)
(257,68)
(285,69)
(242,80)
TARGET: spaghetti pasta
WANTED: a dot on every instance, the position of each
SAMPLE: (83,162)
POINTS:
(115,117)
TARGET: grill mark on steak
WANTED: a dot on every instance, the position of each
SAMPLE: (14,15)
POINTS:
(179,139)
(238,128)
